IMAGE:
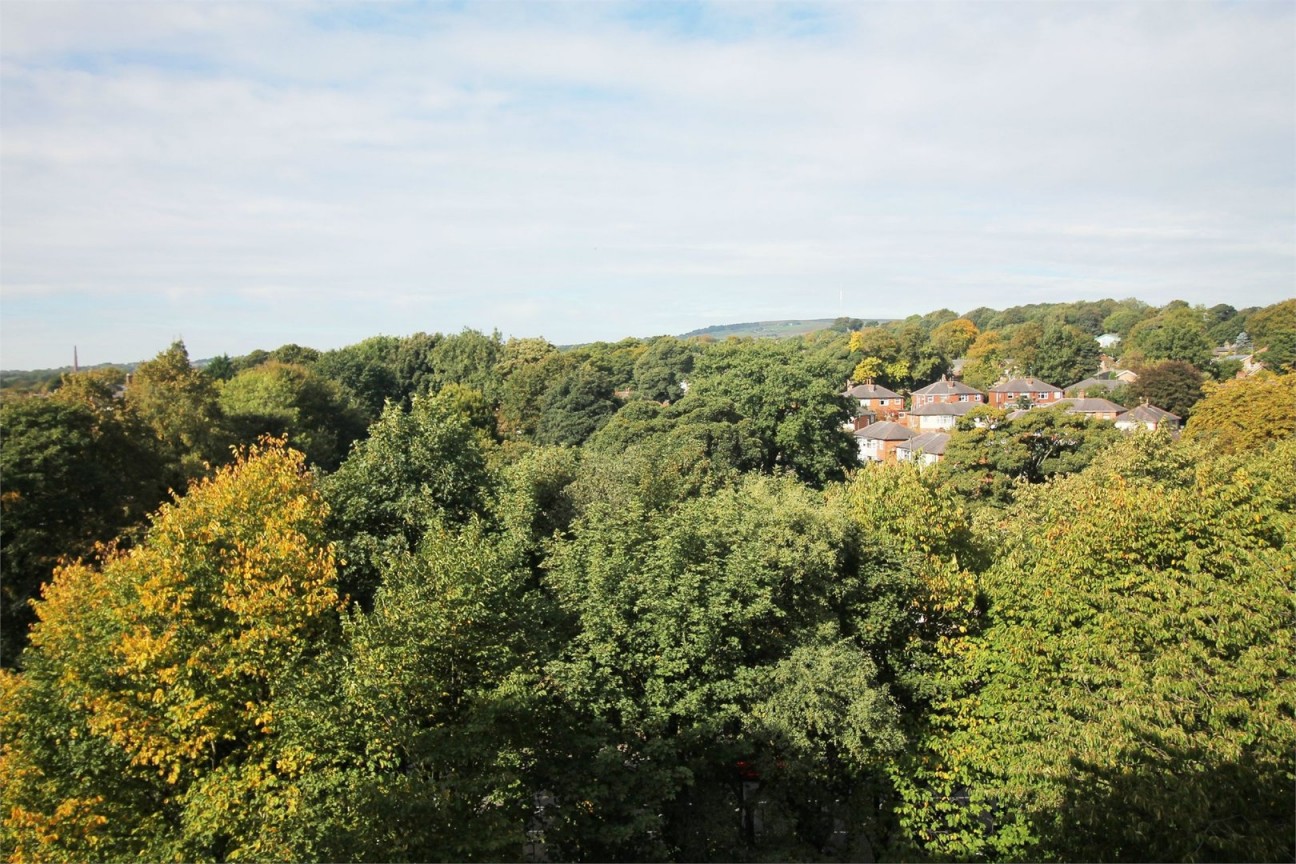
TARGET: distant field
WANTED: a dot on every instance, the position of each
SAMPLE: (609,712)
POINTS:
(768,329)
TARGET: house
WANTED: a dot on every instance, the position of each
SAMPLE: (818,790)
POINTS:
(939,416)
(870,397)
(946,391)
(1108,380)
(865,417)
(1094,409)
(1147,416)
(1107,340)
(877,442)
(1007,394)
(929,448)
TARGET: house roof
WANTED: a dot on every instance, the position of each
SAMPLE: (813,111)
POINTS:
(1024,385)
(885,430)
(945,409)
(928,442)
(1148,414)
(1091,406)
(946,387)
(870,391)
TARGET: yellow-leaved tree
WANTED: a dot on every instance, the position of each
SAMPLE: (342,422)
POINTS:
(144,721)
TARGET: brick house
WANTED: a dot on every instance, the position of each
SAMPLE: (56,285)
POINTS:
(946,391)
(929,448)
(938,416)
(1038,392)
(873,398)
(877,443)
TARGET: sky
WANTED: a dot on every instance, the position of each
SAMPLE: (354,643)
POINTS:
(245,175)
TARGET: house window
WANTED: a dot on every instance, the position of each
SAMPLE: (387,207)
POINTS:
(1043,395)
(963,397)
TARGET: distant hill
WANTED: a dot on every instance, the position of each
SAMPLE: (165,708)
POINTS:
(780,329)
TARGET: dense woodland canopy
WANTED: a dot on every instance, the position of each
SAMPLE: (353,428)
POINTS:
(455,597)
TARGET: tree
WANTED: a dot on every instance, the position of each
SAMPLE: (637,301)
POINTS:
(180,405)
(1065,354)
(368,371)
(220,368)
(526,369)
(1023,345)
(417,468)
(96,389)
(466,358)
(1246,413)
(440,717)
(72,479)
(616,361)
(1273,330)
(794,407)
(748,626)
(1128,699)
(1175,333)
(145,723)
(660,370)
(575,407)
(953,338)
(1122,321)
(989,462)
(1173,385)
(276,398)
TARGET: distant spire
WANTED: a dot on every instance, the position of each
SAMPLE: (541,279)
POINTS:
(76,367)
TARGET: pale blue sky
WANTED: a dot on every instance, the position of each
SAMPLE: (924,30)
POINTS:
(248,174)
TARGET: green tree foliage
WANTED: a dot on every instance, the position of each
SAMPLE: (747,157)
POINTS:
(614,360)
(1224,323)
(180,405)
(220,368)
(468,358)
(73,478)
(1130,694)
(1273,330)
(794,407)
(1065,355)
(439,707)
(527,368)
(1173,385)
(659,456)
(914,511)
(145,722)
(96,389)
(417,468)
(1177,332)
(575,407)
(1122,320)
(750,626)
(1245,413)
(276,398)
(1022,347)
(990,461)
(368,371)
(660,369)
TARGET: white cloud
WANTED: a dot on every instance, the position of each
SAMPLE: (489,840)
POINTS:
(578,170)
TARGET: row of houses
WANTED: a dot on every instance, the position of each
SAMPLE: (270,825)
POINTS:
(888,430)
